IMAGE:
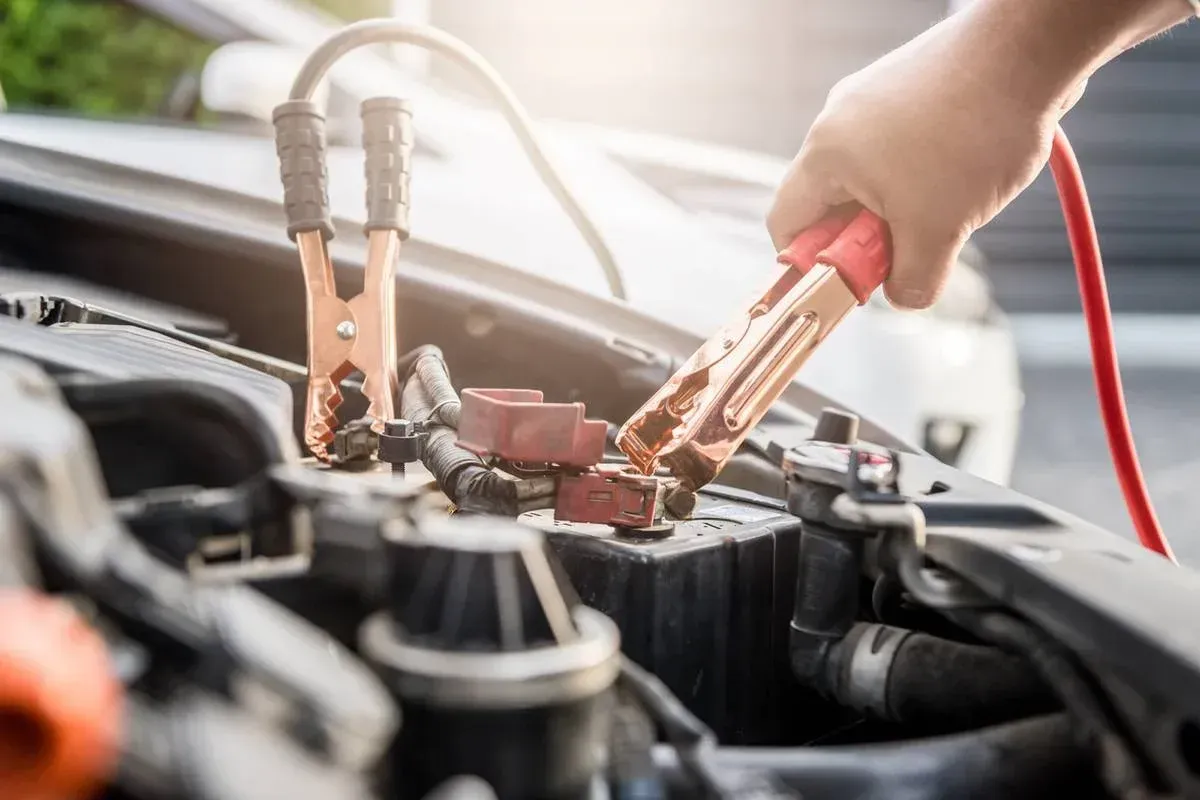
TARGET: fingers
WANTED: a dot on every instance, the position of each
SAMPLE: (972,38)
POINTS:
(802,199)
(921,262)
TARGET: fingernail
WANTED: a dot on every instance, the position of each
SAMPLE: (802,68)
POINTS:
(912,298)
(907,298)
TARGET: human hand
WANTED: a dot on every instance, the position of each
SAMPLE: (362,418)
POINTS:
(936,138)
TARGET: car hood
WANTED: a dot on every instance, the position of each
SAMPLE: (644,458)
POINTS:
(488,203)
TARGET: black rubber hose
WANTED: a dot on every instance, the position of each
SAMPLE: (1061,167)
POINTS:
(935,681)
(469,484)
(826,604)
(1127,770)
(1030,759)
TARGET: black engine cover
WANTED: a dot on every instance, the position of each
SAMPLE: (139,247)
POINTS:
(161,412)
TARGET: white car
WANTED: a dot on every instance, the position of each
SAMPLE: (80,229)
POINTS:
(684,221)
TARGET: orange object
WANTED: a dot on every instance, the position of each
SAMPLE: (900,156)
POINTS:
(60,701)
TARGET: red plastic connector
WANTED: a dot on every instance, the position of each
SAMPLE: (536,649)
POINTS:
(609,494)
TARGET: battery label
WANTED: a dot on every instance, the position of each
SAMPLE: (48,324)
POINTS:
(736,513)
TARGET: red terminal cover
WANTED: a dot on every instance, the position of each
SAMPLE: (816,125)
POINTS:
(858,245)
(609,494)
(515,425)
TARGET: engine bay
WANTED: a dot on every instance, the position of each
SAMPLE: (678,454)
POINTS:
(482,601)
(242,562)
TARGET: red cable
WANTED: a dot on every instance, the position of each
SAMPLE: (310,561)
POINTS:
(1093,294)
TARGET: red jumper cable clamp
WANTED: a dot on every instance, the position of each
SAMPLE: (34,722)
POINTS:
(696,422)
(359,333)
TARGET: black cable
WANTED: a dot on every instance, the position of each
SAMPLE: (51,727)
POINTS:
(380,31)
(428,365)
(1034,759)
(691,738)
(1126,774)
(631,768)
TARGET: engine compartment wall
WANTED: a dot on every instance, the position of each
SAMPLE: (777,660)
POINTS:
(262,300)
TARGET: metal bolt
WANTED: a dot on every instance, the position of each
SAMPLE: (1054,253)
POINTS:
(662,530)
(346,329)
(836,427)
(398,427)
(680,502)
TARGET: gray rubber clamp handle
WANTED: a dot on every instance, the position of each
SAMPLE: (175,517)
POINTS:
(388,143)
(300,144)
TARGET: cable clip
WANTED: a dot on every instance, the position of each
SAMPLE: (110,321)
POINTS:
(696,422)
(359,333)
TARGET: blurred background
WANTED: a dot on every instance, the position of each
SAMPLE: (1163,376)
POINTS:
(751,75)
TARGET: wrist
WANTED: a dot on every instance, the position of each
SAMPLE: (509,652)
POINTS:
(1049,47)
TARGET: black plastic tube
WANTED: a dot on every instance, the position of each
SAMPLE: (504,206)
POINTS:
(1030,759)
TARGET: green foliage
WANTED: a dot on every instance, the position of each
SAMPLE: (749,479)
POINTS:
(355,9)
(91,56)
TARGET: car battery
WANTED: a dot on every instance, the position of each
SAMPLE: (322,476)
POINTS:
(704,605)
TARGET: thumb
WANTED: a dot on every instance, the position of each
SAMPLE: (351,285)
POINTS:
(1074,97)
(802,199)
(921,262)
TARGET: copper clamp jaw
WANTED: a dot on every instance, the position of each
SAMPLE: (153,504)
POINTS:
(359,333)
(695,423)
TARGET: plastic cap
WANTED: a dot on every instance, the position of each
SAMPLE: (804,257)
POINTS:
(60,701)
(836,426)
